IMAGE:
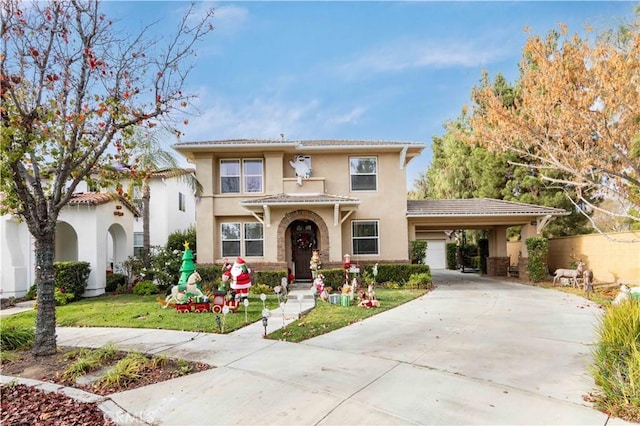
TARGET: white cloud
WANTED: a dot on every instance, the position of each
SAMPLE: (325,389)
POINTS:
(266,118)
(228,20)
(402,55)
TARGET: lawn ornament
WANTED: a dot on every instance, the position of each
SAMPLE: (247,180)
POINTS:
(302,168)
(369,304)
(319,287)
(572,274)
(587,277)
(240,278)
(622,295)
(180,293)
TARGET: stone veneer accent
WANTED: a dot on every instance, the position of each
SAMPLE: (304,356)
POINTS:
(323,231)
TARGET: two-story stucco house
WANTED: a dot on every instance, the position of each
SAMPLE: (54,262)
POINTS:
(274,201)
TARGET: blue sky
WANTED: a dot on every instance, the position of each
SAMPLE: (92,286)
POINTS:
(355,70)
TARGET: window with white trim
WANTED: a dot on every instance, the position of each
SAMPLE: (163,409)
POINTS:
(242,239)
(365,237)
(252,171)
(250,174)
(138,244)
(253,239)
(229,176)
(364,173)
(230,233)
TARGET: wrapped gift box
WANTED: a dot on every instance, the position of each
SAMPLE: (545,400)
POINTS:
(334,299)
(344,300)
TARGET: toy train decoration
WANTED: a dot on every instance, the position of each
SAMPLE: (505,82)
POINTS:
(205,304)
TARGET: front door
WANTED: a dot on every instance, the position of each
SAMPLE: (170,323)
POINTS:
(303,241)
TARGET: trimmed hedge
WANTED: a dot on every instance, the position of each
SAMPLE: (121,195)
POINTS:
(114,281)
(73,277)
(452,255)
(538,248)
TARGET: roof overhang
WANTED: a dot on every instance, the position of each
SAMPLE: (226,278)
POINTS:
(478,213)
(408,150)
(261,207)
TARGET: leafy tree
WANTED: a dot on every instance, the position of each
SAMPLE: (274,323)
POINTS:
(575,117)
(72,90)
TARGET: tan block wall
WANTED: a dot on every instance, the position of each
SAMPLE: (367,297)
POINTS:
(610,259)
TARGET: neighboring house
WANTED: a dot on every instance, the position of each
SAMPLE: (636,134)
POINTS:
(273,201)
(172,207)
(101,228)
(94,227)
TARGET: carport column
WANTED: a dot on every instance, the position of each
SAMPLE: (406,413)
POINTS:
(498,261)
(206,226)
(527,231)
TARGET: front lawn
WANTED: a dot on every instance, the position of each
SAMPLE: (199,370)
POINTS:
(327,317)
(133,311)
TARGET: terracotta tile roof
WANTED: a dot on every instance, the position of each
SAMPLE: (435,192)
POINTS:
(170,173)
(288,199)
(477,207)
(98,198)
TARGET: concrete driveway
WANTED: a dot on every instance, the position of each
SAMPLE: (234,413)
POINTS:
(473,351)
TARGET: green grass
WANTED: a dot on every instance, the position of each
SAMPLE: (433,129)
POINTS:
(15,336)
(86,360)
(616,367)
(327,317)
(133,311)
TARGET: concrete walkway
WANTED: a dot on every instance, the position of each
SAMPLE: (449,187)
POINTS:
(473,351)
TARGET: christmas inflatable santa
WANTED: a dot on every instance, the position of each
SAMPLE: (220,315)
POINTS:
(241,278)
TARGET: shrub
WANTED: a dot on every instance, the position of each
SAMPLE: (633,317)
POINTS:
(210,272)
(270,278)
(616,357)
(483,250)
(452,250)
(261,288)
(145,288)
(62,297)
(73,277)
(417,251)
(122,289)
(32,293)
(166,265)
(13,337)
(422,280)
(115,280)
(175,240)
(538,249)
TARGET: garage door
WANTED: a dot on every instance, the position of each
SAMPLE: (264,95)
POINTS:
(436,255)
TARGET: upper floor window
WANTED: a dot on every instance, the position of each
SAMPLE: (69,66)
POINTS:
(231,175)
(252,170)
(364,173)
(181,202)
(365,237)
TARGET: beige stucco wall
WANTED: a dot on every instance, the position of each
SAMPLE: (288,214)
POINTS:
(610,259)
(330,174)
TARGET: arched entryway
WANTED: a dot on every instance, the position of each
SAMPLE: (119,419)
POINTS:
(66,243)
(304,239)
(291,228)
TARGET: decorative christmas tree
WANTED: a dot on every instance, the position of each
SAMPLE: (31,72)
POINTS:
(188,267)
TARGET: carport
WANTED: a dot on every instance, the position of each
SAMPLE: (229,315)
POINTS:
(434,220)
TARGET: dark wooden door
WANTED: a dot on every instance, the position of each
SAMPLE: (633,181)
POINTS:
(303,258)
